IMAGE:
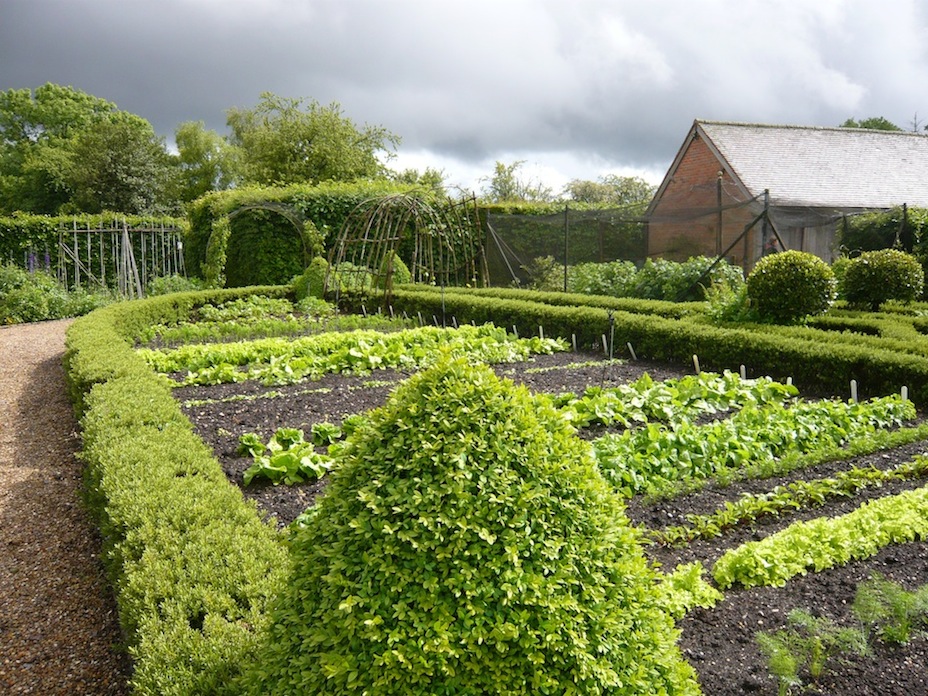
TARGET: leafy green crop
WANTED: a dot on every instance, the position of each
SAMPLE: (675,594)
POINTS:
(685,588)
(644,400)
(647,459)
(286,458)
(826,542)
(282,361)
(793,496)
(260,316)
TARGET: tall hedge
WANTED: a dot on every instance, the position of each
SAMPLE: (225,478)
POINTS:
(468,545)
(326,206)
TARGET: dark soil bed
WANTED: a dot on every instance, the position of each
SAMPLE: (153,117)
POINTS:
(719,643)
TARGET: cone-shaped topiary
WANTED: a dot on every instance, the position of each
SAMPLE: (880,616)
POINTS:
(397,271)
(467,545)
(312,282)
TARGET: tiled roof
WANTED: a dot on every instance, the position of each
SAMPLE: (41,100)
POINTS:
(833,167)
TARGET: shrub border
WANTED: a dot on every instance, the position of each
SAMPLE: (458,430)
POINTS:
(192,564)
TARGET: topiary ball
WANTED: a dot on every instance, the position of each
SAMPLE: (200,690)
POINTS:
(468,545)
(790,286)
(875,277)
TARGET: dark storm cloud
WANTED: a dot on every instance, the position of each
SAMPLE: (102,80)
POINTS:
(593,85)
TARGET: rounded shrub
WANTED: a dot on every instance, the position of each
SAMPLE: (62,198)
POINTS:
(877,276)
(312,282)
(467,544)
(790,285)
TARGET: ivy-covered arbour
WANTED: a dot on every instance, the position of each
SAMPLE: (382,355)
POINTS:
(441,243)
(268,254)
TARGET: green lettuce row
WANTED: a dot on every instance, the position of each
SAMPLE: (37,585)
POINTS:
(826,542)
(793,496)
(644,400)
(654,457)
(278,360)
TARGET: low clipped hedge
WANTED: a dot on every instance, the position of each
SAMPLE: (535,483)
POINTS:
(814,360)
(663,308)
(192,564)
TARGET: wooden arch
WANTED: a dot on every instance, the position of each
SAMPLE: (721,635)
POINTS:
(443,244)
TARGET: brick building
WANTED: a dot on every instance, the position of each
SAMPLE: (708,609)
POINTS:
(736,188)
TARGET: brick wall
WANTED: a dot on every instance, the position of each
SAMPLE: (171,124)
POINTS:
(685,220)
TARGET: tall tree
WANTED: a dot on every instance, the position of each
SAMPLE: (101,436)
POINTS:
(61,149)
(205,161)
(431,179)
(611,190)
(873,123)
(283,141)
(36,132)
(507,186)
(122,166)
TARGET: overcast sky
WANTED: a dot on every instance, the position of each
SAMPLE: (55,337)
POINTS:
(576,88)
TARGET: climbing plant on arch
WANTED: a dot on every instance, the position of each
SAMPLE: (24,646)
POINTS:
(270,257)
(441,243)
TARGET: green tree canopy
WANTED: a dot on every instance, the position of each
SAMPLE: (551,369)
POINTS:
(285,141)
(122,166)
(430,179)
(873,123)
(63,149)
(205,161)
(611,190)
(507,186)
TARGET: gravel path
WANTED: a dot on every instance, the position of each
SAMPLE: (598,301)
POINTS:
(59,632)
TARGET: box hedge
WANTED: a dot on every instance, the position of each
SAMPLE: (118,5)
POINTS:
(467,544)
(192,564)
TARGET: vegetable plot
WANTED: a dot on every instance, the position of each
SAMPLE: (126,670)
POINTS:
(283,361)
(653,458)
(673,437)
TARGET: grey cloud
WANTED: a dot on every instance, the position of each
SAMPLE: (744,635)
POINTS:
(615,82)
